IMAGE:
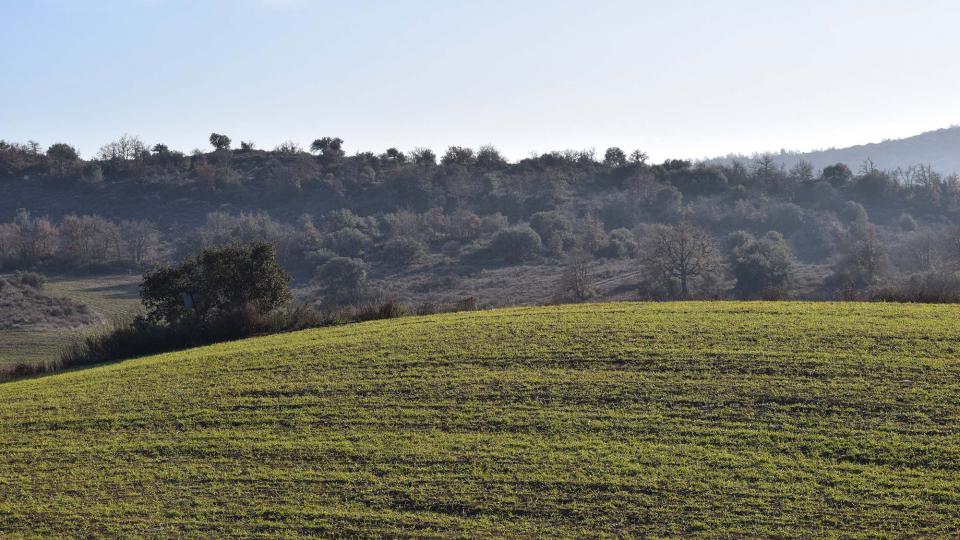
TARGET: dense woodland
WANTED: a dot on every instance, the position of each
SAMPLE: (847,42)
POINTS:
(564,226)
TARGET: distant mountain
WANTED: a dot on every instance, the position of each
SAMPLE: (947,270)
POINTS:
(939,149)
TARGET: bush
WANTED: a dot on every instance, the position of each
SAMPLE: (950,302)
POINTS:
(621,244)
(30,279)
(516,244)
(861,266)
(761,266)
(926,288)
(786,218)
(493,223)
(874,186)
(319,257)
(907,223)
(838,175)
(854,213)
(403,252)
(348,242)
(469,303)
(342,280)
(555,230)
(141,337)
(390,309)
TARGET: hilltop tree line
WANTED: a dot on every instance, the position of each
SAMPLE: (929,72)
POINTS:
(692,230)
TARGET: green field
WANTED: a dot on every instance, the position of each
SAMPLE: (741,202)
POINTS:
(111,296)
(677,419)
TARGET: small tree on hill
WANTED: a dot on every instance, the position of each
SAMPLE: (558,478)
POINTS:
(614,157)
(219,142)
(838,175)
(329,148)
(63,159)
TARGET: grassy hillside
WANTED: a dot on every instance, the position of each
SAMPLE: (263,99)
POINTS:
(108,297)
(680,419)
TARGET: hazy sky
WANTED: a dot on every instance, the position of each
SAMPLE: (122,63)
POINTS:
(675,78)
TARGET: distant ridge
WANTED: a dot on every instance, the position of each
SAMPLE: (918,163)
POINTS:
(939,149)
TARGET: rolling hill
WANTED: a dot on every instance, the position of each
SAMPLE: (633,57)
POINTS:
(940,149)
(36,326)
(677,419)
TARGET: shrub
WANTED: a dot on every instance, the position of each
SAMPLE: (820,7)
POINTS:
(861,266)
(761,266)
(342,280)
(555,230)
(621,244)
(927,288)
(348,242)
(786,218)
(874,186)
(30,279)
(516,244)
(465,225)
(403,252)
(389,309)
(575,284)
(494,223)
(319,257)
(854,213)
(907,223)
(140,337)
(838,175)
(469,303)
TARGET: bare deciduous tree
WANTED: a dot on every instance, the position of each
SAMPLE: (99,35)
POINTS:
(141,240)
(575,283)
(123,149)
(683,253)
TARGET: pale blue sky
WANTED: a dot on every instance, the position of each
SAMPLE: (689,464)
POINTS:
(677,79)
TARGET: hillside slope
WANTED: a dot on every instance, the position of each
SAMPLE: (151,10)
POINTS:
(35,327)
(23,307)
(677,419)
(940,149)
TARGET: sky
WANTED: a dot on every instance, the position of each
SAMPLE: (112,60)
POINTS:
(678,79)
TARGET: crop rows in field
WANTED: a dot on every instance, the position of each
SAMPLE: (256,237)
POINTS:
(679,419)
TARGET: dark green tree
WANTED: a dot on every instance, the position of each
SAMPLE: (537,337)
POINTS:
(838,175)
(516,244)
(342,280)
(614,157)
(460,155)
(329,148)
(63,158)
(762,266)
(219,142)
(424,156)
(217,283)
